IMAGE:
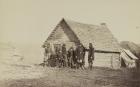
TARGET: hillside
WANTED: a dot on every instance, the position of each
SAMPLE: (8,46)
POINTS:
(9,54)
(134,48)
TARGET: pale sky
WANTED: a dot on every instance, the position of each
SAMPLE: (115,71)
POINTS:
(28,22)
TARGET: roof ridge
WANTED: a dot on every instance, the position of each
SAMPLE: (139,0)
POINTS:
(77,22)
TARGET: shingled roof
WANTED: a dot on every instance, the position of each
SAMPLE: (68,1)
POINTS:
(99,35)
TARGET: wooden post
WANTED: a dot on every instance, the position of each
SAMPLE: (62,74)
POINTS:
(111,61)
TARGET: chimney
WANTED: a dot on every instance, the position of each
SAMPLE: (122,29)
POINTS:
(103,25)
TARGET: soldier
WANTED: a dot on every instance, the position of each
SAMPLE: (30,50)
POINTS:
(64,55)
(68,56)
(71,57)
(60,58)
(80,53)
(74,58)
(47,54)
(57,57)
(90,55)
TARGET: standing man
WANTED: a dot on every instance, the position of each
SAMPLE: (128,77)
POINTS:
(57,57)
(47,54)
(64,55)
(60,58)
(90,55)
(80,54)
(71,57)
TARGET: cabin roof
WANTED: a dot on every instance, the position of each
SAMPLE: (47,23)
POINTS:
(99,35)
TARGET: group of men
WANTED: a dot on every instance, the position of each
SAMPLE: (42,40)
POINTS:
(73,58)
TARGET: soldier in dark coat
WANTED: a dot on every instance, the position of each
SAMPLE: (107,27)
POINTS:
(90,55)
(80,54)
(74,59)
(71,57)
(64,55)
(58,57)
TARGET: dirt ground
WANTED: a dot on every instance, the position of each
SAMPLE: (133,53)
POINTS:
(65,77)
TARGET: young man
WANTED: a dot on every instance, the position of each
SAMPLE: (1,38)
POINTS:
(90,55)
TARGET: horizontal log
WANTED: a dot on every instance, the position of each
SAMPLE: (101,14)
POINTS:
(104,51)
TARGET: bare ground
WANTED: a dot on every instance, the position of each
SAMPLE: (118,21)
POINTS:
(64,77)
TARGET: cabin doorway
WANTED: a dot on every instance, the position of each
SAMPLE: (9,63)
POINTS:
(57,46)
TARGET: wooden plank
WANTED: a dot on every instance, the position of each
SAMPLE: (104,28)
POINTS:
(103,51)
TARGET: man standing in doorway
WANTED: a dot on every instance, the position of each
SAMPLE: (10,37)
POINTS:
(64,55)
(71,57)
